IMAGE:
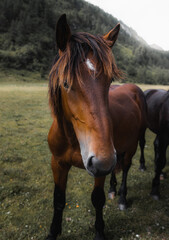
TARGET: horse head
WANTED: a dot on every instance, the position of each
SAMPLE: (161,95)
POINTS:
(82,76)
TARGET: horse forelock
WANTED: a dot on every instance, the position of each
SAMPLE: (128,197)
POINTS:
(67,67)
(80,44)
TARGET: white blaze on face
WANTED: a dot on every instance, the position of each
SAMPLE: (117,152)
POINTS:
(84,147)
(84,141)
(90,64)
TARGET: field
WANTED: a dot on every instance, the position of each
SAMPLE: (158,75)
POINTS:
(26,188)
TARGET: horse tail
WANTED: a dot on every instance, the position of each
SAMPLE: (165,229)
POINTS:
(142,103)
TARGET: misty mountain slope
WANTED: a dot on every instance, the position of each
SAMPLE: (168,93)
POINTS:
(27,38)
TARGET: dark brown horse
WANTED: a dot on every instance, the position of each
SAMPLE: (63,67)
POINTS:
(92,124)
(158,123)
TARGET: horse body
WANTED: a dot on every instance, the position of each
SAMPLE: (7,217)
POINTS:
(123,103)
(158,122)
(128,113)
(94,126)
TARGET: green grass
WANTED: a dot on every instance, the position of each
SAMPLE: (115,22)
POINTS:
(21,77)
(26,189)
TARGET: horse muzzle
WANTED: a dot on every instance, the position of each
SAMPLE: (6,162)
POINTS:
(98,167)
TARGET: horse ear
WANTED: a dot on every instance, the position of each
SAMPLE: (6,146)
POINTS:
(63,33)
(112,35)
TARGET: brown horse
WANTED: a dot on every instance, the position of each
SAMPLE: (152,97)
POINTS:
(158,123)
(92,124)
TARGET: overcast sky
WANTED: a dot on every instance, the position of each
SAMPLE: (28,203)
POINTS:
(149,18)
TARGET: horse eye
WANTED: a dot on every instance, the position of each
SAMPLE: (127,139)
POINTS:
(65,84)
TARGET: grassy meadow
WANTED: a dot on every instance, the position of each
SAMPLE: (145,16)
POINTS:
(26,183)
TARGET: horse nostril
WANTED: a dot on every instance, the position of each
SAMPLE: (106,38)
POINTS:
(91,165)
(90,162)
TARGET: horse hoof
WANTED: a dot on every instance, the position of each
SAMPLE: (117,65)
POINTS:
(122,207)
(162,176)
(155,197)
(111,195)
(99,236)
(142,168)
(50,237)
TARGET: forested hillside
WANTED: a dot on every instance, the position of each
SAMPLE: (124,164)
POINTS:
(27,38)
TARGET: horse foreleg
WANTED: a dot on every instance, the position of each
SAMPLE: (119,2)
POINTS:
(123,188)
(113,183)
(98,200)
(60,174)
(160,147)
(142,159)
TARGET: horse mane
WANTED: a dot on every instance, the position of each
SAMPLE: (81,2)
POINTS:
(66,68)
